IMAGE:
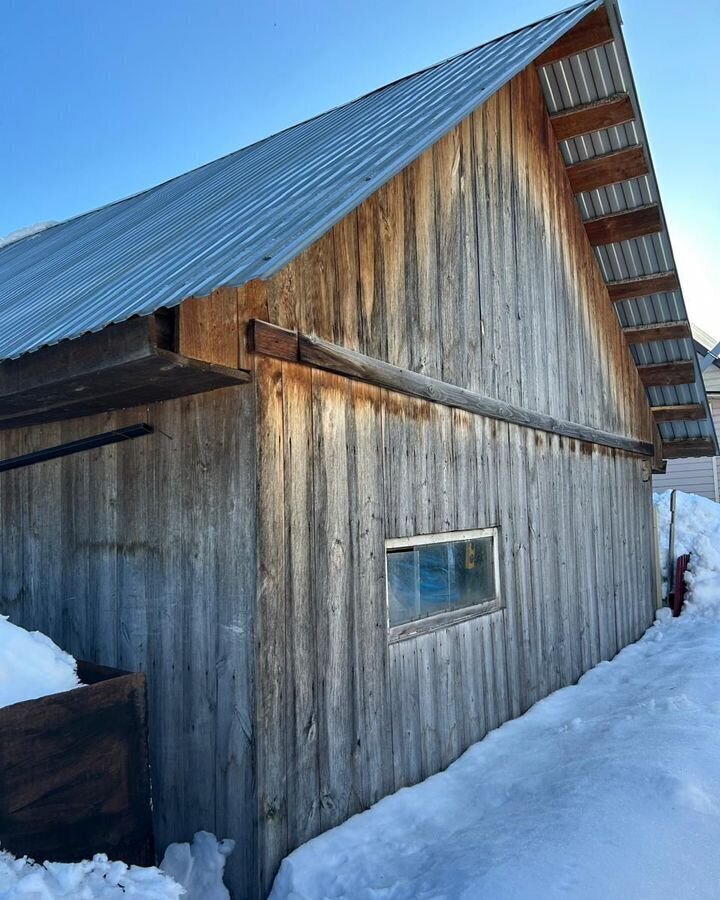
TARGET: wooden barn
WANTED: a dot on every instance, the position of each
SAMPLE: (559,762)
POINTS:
(346,438)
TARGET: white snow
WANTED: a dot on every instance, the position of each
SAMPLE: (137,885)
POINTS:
(96,879)
(606,790)
(199,866)
(22,233)
(31,665)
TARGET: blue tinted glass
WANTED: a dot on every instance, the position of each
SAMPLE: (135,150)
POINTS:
(403,594)
(434,575)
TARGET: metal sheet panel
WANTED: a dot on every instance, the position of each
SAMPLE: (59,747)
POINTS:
(248,214)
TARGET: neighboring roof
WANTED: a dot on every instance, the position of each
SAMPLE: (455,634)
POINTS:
(246,215)
(704,344)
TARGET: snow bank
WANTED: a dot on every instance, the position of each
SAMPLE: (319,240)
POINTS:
(199,866)
(31,665)
(96,879)
(697,532)
(605,790)
(22,233)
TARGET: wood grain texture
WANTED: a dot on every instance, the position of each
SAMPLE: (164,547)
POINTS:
(624,226)
(652,374)
(688,447)
(663,331)
(680,412)
(643,287)
(592,117)
(592,31)
(610,168)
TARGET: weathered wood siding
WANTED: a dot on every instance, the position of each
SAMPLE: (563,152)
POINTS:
(141,555)
(343,716)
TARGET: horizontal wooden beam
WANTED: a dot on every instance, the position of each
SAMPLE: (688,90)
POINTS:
(679,412)
(610,168)
(118,367)
(590,117)
(663,282)
(592,31)
(624,226)
(314,351)
(272,340)
(688,447)
(660,331)
(657,374)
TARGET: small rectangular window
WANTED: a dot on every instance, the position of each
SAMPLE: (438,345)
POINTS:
(438,579)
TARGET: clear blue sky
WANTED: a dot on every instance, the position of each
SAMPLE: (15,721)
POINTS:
(102,98)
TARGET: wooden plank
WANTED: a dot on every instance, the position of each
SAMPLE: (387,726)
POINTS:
(661,283)
(592,31)
(679,372)
(687,448)
(590,117)
(74,772)
(610,168)
(680,412)
(324,355)
(624,226)
(272,340)
(207,328)
(663,331)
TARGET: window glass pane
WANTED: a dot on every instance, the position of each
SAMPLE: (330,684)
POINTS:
(403,595)
(473,577)
(434,574)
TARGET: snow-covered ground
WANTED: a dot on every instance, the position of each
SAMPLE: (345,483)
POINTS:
(608,789)
(31,665)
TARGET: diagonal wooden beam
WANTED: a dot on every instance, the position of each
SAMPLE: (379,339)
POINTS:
(663,282)
(679,412)
(610,168)
(590,117)
(662,331)
(688,447)
(624,226)
(593,31)
(657,374)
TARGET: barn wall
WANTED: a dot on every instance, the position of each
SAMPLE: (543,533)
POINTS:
(472,266)
(344,717)
(141,555)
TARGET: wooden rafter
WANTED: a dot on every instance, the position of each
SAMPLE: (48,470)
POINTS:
(593,31)
(624,226)
(591,117)
(680,412)
(661,331)
(663,282)
(657,374)
(688,447)
(610,168)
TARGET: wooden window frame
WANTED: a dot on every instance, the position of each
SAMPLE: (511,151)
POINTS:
(442,620)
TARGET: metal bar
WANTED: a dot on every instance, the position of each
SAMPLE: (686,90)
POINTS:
(88,443)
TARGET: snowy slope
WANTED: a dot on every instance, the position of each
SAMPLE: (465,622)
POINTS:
(608,789)
(31,665)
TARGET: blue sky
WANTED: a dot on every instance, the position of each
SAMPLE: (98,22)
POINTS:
(102,98)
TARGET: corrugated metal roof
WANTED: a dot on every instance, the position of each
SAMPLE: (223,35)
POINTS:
(248,214)
(598,74)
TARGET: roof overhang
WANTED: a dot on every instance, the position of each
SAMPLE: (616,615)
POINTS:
(593,104)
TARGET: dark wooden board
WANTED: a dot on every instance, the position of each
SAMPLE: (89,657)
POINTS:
(74,772)
(624,226)
(592,117)
(681,412)
(592,31)
(643,287)
(653,374)
(687,448)
(610,168)
(662,331)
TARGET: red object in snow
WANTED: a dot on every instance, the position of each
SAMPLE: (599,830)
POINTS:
(679,594)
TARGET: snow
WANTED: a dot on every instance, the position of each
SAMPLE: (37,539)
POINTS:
(96,879)
(191,871)
(605,790)
(31,665)
(22,233)
(199,866)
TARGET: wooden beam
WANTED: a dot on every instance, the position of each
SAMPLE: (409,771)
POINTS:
(660,331)
(656,374)
(118,367)
(610,168)
(592,31)
(688,447)
(663,282)
(590,117)
(625,225)
(679,412)
(272,340)
(324,355)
